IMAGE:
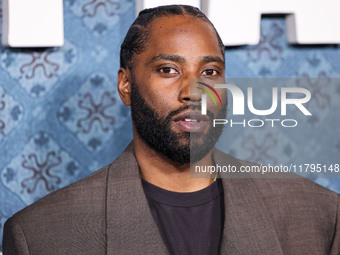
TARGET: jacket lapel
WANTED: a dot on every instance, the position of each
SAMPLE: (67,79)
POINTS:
(247,225)
(130,226)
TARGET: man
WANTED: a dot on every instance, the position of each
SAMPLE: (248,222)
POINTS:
(145,202)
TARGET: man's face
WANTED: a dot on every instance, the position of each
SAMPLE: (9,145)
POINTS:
(165,114)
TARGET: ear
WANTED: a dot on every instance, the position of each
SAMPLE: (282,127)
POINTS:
(124,85)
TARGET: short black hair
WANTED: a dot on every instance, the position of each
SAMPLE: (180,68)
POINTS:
(137,37)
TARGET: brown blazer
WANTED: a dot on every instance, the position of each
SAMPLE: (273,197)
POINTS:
(107,213)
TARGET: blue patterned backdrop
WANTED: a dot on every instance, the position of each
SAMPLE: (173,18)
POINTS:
(60,114)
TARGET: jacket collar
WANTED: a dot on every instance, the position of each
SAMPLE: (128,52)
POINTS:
(130,228)
(247,224)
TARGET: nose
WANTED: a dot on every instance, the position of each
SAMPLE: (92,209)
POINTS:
(188,90)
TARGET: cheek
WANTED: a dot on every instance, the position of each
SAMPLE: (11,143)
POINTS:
(210,103)
(161,94)
(224,98)
(167,102)
(223,95)
(162,101)
(164,96)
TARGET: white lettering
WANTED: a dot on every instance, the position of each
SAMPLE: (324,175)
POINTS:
(302,25)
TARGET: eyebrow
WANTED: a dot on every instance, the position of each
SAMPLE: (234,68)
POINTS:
(175,58)
(207,59)
(180,59)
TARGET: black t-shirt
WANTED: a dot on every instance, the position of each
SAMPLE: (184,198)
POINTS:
(189,223)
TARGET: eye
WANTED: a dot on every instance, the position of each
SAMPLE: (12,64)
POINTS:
(167,70)
(211,72)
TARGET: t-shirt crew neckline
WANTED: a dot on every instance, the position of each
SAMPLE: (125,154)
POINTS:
(182,199)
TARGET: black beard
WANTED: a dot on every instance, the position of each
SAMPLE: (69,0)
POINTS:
(156,132)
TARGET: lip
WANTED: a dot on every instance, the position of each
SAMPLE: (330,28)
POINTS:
(191,121)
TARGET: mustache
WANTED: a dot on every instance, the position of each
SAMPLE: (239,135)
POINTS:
(191,107)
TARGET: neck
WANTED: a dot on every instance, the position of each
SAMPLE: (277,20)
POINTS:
(167,174)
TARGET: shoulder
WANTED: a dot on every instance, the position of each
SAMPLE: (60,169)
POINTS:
(68,200)
(297,192)
(305,215)
(86,195)
(285,193)
(302,210)
(300,206)
(292,186)
(275,183)
(63,221)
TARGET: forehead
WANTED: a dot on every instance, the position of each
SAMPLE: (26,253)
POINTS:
(174,22)
(183,33)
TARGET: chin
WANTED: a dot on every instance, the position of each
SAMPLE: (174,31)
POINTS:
(198,138)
